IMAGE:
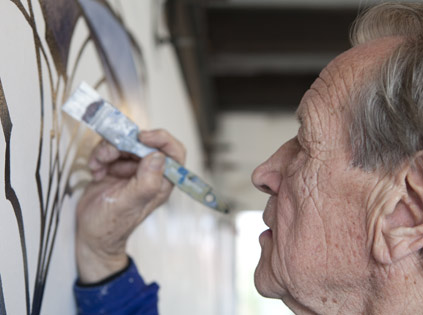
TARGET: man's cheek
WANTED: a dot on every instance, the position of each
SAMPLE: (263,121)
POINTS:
(286,210)
(309,230)
(306,266)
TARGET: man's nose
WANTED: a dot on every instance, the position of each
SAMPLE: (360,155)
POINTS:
(266,177)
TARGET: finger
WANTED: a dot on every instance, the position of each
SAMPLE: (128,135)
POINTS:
(123,168)
(166,188)
(164,141)
(149,177)
(103,154)
(99,174)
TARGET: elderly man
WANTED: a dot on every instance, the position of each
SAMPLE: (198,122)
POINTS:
(345,212)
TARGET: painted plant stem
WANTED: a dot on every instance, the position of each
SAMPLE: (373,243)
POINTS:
(10,192)
(2,303)
(39,51)
(69,83)
(60,17)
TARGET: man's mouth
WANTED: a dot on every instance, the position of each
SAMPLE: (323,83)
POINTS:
(267,216)
(265,235)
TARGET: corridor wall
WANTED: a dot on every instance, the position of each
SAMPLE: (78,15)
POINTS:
(47,48)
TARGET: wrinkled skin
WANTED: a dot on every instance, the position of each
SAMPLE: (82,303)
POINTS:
(124,191)
(317,253)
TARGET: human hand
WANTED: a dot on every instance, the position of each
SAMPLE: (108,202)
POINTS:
(124,191)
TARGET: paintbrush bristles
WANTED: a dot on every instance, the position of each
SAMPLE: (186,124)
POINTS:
(77,104)
(91,111)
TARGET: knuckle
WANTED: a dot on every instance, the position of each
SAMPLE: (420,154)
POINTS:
(107,153)
(98,148)
(112,152)
(151,186)
(163,133)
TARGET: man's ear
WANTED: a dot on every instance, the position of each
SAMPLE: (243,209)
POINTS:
(399,227)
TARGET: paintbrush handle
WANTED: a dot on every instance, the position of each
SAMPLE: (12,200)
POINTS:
(176,173)
(86,105)
(193,185)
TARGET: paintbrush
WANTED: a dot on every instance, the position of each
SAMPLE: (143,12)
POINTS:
(86,105)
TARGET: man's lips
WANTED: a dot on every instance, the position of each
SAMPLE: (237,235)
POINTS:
(265,235)
(267,216)
(269,210)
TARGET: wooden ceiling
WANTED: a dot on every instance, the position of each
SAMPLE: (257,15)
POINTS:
(255,58)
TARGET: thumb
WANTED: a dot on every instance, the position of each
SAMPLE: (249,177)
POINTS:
(149,177)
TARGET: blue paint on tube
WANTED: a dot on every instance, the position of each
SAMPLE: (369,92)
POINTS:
(184,172)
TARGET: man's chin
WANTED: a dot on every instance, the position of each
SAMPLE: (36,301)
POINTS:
(264,284)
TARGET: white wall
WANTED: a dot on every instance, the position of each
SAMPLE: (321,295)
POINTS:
(185,247)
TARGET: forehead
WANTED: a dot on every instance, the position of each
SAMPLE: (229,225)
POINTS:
(333,88)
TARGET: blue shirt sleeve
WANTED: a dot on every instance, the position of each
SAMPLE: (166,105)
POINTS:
(127,294)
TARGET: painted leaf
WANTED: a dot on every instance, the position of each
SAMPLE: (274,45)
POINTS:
(60,17)
(115,50)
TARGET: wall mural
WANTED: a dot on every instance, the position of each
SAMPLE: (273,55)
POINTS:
(121,62)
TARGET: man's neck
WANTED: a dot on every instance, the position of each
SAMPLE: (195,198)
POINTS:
(394,289)
(401,292)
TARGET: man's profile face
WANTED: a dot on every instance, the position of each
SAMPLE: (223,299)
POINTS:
(316,247)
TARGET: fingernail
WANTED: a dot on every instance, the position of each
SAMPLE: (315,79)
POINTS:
(157,162)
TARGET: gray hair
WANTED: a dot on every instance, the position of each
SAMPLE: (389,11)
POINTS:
(387,124)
